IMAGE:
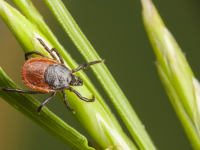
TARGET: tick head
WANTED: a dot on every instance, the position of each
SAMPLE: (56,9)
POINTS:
(76,81)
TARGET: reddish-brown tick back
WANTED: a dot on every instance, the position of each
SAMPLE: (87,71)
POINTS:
(33,71)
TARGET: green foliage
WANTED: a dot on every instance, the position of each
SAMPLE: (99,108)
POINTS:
(28,106)
(177,77)
(101,125)
(116,95)
(174,71)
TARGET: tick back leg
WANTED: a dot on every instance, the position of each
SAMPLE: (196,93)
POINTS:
(33,52)
(86,65)
(58,54)
(65,101)
(47,100)
(47,49)
(21,91)
(82,98)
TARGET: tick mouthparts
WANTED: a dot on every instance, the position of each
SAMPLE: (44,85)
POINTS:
(76,81)
(79,82)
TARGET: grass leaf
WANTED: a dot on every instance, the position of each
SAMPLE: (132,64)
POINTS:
(96,118)
(174,70)
(28,106)
(104,76)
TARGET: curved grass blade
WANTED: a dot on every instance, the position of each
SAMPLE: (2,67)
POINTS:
(104,76)
(174,71)
(98,129)
(28,106)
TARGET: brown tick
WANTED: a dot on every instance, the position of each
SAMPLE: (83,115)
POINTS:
(48,75)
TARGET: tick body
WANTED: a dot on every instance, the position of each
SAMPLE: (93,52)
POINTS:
(46,75)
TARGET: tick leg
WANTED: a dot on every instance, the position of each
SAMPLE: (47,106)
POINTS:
(82,98)
(47,100)
(21,91)
(86,65)
(47,49)
(33,52)
(58,54)
(65,101)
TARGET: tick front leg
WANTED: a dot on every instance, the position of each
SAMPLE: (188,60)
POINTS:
(47,100)
(65,101)
(82,98)
(86,65)
(21,91)
(33,52)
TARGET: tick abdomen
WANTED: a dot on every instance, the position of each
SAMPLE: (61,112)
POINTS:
(33,72)
(58,76)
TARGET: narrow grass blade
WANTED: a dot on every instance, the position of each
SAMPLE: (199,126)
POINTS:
(174,70)
(186,122)
(196,85)
(113,90)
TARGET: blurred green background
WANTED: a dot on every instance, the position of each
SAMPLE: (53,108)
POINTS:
(116,31)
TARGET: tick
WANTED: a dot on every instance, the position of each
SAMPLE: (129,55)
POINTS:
(47,75)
